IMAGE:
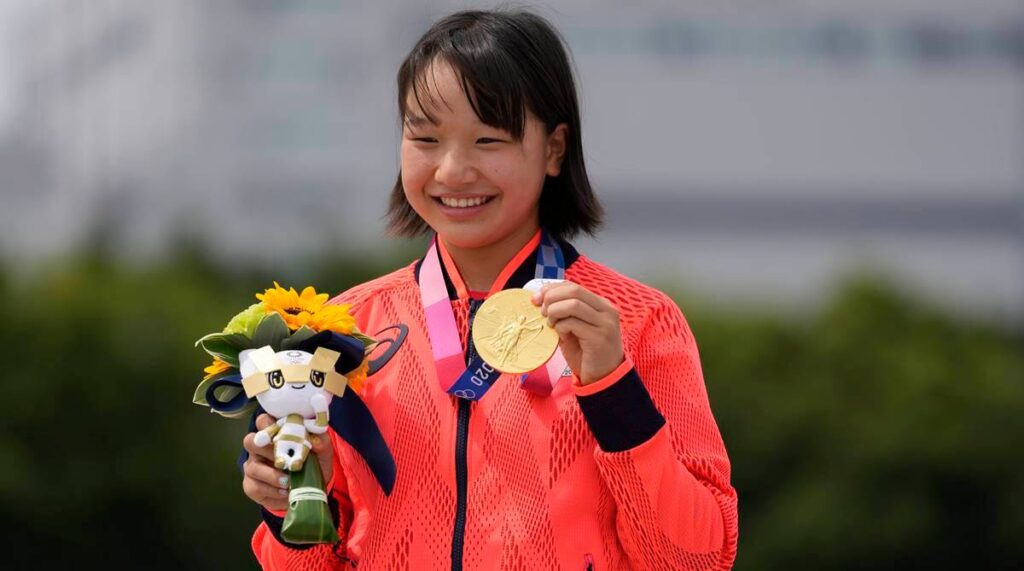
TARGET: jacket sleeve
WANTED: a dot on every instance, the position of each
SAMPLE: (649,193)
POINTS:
(273,553)
(660,452)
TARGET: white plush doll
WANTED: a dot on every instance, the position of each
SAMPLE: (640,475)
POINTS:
(296,388)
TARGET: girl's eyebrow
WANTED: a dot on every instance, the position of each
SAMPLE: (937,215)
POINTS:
(414,120)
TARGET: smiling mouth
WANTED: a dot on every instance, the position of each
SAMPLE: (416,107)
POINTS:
(452,202)
(300,386)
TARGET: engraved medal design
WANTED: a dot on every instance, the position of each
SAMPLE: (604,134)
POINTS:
(510,333)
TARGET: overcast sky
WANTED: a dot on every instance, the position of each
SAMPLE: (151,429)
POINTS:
(10,14)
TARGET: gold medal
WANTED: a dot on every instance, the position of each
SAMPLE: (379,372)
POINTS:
(510,333)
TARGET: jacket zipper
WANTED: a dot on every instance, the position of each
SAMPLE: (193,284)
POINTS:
(461,437)
(461,456)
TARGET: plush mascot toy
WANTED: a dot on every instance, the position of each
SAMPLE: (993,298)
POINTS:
(294,387)
(303,362)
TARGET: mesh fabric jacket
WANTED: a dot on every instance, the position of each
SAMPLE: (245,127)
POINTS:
(629,472)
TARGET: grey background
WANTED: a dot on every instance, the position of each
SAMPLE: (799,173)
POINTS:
(756,151)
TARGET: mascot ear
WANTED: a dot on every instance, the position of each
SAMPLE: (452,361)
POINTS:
(351,349)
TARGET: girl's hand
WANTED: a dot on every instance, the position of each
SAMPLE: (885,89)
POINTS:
(587,326)
(265,484)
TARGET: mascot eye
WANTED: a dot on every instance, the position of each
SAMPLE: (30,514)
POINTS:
(276,379)
(317,378)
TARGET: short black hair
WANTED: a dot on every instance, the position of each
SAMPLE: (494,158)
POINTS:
(509,62)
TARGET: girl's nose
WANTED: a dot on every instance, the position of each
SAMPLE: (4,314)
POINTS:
(455,170)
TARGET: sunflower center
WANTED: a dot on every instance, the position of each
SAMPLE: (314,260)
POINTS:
(293,310)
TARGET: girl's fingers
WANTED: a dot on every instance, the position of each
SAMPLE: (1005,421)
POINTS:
(264,420)
(265,452)
(265,473)
(567,299)
(270,497)
(565,308)
(581,329)
(568,290)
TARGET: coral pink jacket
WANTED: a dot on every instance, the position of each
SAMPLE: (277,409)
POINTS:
(629,472)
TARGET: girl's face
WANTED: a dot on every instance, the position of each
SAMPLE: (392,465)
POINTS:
(472,183)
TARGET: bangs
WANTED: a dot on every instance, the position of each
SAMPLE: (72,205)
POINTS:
(490,78)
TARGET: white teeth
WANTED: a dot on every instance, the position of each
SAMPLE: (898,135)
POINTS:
(463,202)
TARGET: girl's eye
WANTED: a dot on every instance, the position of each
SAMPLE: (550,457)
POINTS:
(487,140)
(424,139)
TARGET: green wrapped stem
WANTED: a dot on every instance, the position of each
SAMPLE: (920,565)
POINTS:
(309,517)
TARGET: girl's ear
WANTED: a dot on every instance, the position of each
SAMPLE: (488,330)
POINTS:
(556,149)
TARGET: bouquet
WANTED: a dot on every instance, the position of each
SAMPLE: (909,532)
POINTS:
(305,363)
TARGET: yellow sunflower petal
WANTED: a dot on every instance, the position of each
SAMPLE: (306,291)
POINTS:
(311,299)
(333,318)
(357,377)
(295,308)
(216,367)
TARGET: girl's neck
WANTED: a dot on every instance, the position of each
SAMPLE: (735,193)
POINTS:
(479,267)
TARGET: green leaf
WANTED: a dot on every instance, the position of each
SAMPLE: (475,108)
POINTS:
(272,330)
(199,397)
(223,393)
(247,320)
(299,336)
(366,339)
(227,392)
(235,339)
(225,346)
(244,412)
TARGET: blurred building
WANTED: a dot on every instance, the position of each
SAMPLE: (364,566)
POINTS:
(211,121)
(757,151)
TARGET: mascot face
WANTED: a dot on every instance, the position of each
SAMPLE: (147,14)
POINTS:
(284,398)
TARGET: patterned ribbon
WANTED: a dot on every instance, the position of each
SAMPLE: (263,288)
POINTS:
(472,382)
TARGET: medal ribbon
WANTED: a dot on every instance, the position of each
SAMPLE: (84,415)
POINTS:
(472,382)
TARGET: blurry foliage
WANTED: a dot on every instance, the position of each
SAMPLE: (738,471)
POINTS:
(105,456)
(878,433)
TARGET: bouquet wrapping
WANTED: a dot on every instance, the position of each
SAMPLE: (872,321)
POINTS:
(308,519)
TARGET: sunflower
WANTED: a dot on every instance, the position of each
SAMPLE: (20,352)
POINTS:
(357,377)
(216,367)
(295,308)
(334,318)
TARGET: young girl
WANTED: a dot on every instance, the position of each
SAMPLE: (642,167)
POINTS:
(607,457)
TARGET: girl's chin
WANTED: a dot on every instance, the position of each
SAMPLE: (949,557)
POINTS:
(456,236)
